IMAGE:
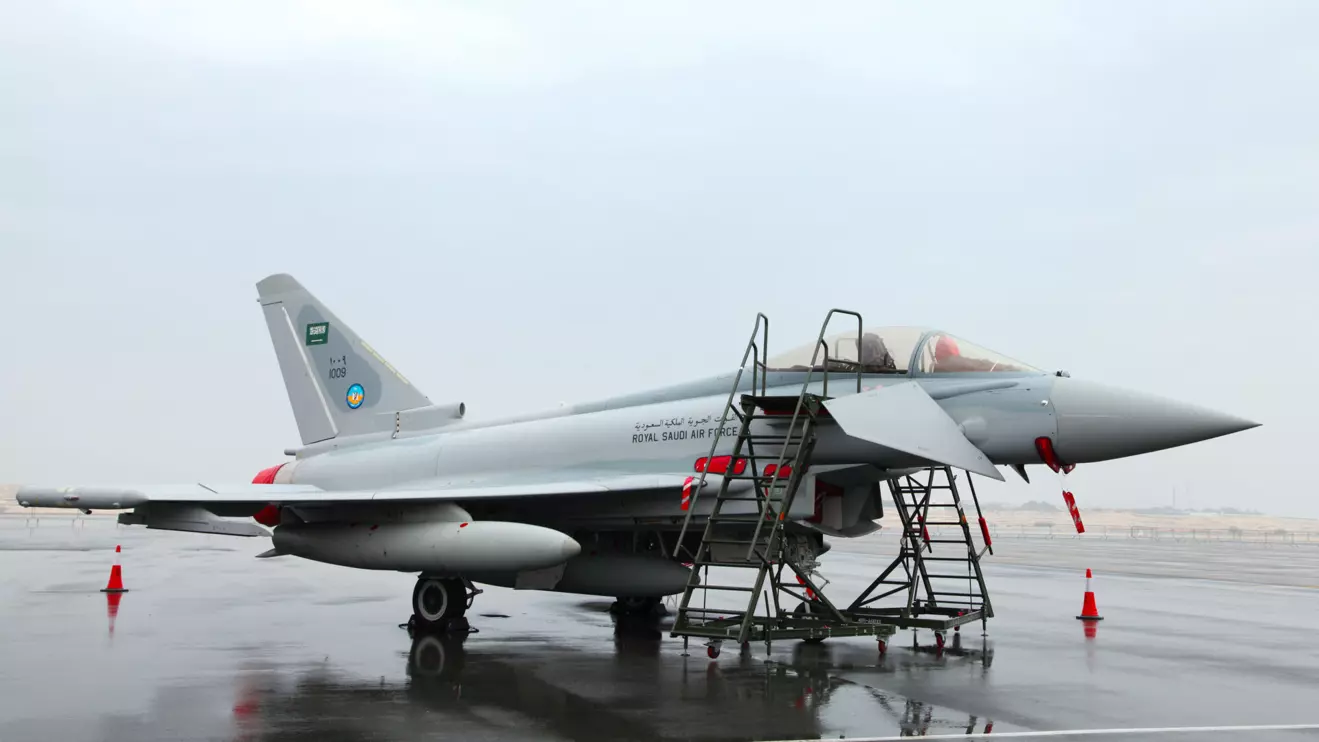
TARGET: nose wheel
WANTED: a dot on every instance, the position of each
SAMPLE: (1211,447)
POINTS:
(437,602)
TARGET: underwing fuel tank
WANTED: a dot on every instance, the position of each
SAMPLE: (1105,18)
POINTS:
(611,574)
(437,547)
(623,576)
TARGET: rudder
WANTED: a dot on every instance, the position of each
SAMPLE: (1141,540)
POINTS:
(337,384)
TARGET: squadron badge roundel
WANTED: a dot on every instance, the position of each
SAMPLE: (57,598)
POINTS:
(355,396)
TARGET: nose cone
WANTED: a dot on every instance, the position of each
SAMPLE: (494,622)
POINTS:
(1097,423)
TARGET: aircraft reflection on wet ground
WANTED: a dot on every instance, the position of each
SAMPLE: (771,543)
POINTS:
(456,684)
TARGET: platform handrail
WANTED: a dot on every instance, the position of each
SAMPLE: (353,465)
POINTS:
(796,412)
(761,328)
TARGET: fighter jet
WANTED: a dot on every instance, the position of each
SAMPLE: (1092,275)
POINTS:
(592,498)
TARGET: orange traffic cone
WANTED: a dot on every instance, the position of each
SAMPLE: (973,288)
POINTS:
(116,583)
(1089,611)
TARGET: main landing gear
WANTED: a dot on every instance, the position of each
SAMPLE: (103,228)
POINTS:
(438,603)
(638,606)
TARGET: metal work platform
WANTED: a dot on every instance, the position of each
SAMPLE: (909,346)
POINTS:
(766,586)
(939,588)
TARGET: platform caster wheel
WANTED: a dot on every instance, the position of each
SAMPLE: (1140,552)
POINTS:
(712,651)
(436,602)
(883,647)
(938,640)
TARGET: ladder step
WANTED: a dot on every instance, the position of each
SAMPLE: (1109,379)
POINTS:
(726,588)
(711,612)
(746,519)
(740,544)
(945,559)
(754,561)
(937,593)
(952,577)
(919,536)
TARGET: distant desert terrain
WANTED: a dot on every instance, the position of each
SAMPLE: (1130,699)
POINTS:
(7,503)
(1111,518)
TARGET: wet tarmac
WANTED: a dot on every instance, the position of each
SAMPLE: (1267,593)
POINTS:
(211,644)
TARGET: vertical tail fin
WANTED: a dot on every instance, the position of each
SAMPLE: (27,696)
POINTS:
(337,384)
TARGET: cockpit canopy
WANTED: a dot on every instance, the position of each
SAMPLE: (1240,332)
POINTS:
(896,350)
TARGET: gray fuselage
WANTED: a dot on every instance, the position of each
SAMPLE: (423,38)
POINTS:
(663,432)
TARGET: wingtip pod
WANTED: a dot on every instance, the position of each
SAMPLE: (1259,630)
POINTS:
(83,498)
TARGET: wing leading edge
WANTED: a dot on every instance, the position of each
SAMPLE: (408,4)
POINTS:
(500,487)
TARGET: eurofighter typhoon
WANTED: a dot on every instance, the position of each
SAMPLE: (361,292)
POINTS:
(600,498)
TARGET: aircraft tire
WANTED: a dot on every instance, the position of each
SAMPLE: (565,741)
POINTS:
(804,608)
(637,606)
(436,602)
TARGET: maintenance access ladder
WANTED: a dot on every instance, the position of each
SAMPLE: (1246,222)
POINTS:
(937,572)
(755,541)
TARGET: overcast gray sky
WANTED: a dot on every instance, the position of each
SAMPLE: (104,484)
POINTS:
(527,203)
